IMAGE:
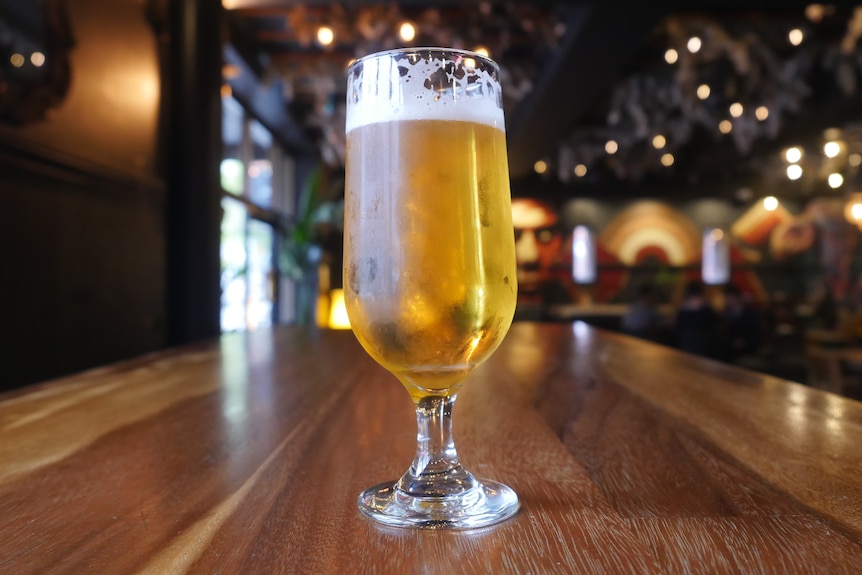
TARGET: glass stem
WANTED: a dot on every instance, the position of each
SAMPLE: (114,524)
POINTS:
(436,470)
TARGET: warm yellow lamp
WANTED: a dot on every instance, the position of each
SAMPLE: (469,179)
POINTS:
(337,312)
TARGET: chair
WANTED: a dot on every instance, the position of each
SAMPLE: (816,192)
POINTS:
(824,368)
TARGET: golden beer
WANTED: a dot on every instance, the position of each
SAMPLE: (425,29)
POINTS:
(431,290)
(429,259)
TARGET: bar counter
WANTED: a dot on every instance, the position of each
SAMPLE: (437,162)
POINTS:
(246,455)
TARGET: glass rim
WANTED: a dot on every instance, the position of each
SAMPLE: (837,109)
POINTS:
(426,50)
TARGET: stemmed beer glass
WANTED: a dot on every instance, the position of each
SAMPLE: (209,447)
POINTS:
(429,267)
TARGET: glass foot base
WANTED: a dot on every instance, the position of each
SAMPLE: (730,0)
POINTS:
(487,503)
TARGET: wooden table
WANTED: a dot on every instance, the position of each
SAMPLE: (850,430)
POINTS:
(245,455)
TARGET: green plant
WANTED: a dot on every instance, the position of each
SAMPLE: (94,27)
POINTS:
(299,254)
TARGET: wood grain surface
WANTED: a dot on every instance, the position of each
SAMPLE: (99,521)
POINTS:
(246,455)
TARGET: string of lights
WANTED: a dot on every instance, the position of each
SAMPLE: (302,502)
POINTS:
(738,80)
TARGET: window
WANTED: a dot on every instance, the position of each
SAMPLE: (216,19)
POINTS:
(256,178)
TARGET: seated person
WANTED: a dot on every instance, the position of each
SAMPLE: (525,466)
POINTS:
(741,324)
(643,319)
(697,326)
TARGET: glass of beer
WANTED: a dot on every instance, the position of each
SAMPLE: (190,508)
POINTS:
(429,266)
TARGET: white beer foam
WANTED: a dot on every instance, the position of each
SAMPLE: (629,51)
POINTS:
(379,93)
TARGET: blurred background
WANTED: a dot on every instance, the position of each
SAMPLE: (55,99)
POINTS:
(173,169)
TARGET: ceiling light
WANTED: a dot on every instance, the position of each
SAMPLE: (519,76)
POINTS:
(482,50)
(815,12)
(831,149)
(703,91)
(761,113)
(770,203)
(541,167)
(611,147)
(37,59)
(671,56)
(580,170)
(407,31)
(667,160)
(794,171)
(795,36)
(793,154)
(325,35)
(17,60)
(854,160)
(725,126)
(659,141)
(835,180)
(736,109)
(694,44)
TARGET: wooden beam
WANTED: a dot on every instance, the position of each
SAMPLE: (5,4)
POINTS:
(599,41)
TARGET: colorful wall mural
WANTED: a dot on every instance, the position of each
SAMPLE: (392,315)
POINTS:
(807,252)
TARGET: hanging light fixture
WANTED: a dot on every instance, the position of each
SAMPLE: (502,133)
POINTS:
(325,35)
(671,56)
(853,209)
(831,149)
(694,44)
(794,172)
(770,203)
(793,155)
(407,31)
(796,36)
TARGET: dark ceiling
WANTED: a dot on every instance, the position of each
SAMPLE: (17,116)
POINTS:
(583,73)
